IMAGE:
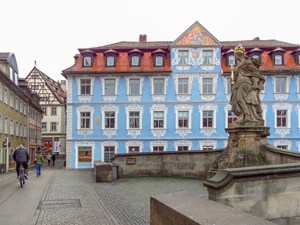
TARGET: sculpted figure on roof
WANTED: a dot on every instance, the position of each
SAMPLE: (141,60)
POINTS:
(246,85)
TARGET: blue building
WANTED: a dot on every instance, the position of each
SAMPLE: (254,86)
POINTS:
(171,96)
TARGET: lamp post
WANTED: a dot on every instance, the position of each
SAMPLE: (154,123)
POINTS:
(7,155)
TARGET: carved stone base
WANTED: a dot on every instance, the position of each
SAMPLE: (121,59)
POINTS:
(244,148)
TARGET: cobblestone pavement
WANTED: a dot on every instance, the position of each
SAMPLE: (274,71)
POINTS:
(74,198)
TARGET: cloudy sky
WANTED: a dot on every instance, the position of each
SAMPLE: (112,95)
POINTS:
(51,31)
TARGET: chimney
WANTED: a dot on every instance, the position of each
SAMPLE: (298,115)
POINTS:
(143,38)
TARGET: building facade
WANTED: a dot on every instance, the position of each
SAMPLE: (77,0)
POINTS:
(52,97)
(171,96)
(15,104)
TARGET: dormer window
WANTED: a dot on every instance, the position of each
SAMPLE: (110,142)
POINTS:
(87,61)
(159,57)
(87,58)
(110,58)
(159,61)
(277,56)
(135,61)
(278,59)
(296,55)
(110,61)
(135,57)
(230,60)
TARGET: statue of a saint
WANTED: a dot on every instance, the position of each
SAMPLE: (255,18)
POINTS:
(246,86)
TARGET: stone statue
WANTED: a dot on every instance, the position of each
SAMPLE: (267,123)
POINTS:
(247,83)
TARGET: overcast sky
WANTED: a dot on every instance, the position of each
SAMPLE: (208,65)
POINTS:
(51,31)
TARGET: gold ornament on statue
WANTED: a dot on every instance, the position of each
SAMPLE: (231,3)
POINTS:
(232,75)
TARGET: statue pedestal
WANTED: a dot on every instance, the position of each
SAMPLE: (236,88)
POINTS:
(244,148)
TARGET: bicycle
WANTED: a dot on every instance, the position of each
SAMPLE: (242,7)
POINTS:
(22,175)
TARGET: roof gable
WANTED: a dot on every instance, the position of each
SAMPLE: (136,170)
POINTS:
(196,35)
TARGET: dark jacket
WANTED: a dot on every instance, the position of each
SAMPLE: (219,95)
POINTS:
(21,155)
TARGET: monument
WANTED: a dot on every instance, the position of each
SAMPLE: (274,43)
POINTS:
(247,134)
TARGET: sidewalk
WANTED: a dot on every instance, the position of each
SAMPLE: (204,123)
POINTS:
(62,196)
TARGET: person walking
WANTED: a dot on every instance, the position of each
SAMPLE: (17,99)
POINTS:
(49,158)
(39,162)
(53,159)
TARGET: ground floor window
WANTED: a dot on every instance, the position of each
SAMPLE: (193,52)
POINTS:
(84,154)
(109,151)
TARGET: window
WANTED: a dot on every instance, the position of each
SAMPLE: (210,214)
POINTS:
(53,126)
(158,86)
(44,111)
(182,148)
(110,61)
(110,87)
(285,147)
(135,61)
(6,125)
(134,119)
(44,126)
(53,111)
(159,61)
(17,105)
(207,86)
(84,154)
(158,148)
(85,120)
(298,60)
(278,59)
(110,119)
(12,127)
(231,60)
(280,85)
(17,129)
(183,85)
(207,147)
(231,117)
(5,96)
(207,119)
(11,100)
(85,86)
(109,151)
(133,148)
(183,119)
(87,61)
(1,124)
(281,118)
(207,57)
(183,57)
(158,119)
(1,91)
(134,86)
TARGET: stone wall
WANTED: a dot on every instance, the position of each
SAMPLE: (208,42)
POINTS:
(193,164)
(271,192)
(188,208)
(279,156)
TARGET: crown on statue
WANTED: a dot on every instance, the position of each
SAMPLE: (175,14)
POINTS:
(239,49)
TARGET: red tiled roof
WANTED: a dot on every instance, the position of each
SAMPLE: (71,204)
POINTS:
(256,43)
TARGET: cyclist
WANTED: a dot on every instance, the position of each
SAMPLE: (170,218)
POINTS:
(21,156)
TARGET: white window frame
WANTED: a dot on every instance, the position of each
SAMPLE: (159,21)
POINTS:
(87,61)
(51,126)
(1,90)
(1,124)
(134,97)
(44,128)
(230,59)
(108,143)
(214,77)
(11,99)
(189,144)
(17,129)
(276,58)
(110,63)
(282,131)
(85,97)
(187,130)
(17,104)
(188,57)
(163,144)
(134,131)
(162,96)
(85,131)
(135,144)
(52,110)
(6,125)
(281,96)
(283,142)
(12,127)
(158,64)
(158,132)
(208,131)
(84,144)
(207,143)
(109,98)
(179,96)
(213,56)
(109,132)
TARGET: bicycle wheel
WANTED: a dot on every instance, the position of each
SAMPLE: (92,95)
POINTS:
(22,178)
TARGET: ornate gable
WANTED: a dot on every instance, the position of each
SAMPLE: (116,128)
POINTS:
(196,35)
